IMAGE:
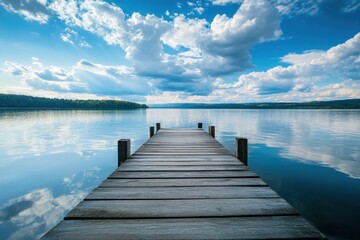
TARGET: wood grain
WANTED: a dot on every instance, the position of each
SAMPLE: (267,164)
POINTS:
(183,184)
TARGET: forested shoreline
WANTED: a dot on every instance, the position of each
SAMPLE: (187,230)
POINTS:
(12,101)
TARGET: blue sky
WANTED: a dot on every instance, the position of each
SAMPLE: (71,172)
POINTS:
(161,51)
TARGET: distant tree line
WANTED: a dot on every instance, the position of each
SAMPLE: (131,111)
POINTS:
(22,101)
(336,104)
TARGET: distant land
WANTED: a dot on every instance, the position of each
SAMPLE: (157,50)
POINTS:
(12,101)
(337,104)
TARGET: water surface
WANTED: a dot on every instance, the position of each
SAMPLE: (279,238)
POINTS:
(50,160)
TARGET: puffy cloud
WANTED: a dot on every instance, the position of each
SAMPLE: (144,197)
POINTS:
(227,50)
(200,50)
(101,18)
(32,10)
(199,10)
(339,66)
(312,75)
(84,77)
(222,47)
(186,55)
(186,33)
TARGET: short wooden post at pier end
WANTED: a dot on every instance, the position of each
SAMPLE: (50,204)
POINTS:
(200,125)
(124,150)
(158,126)
(212,131)
(152,129)
(242,150)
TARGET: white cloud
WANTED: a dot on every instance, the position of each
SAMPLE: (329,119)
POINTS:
(186,55)
(202,49)
(303,58)
(351,5)
(84,77)
(224,2)
(295,7)
(312,75)
(31,10)
(186,32)
(73,38)
(227,50)
(199,10)
(103,19)
(300,80)
(222,48)
(285,7)
(66,10)
(14,68)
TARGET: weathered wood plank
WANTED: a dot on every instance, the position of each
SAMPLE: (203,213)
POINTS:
(186,182)
(181,151)
(183,184)
(193,174)
(183,160)
(284,227)
(181,163)
(181,193)
(180,168)
(179,154)
(110,209)
(191,158)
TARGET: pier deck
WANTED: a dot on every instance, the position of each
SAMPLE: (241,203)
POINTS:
(183,184)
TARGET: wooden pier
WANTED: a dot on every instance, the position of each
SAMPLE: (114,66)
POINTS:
(183,184)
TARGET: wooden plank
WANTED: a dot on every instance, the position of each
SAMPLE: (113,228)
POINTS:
(183,184)
(181,163)
(184,160)
(182,146)
(186,182)
(119,209)
(179,154)
(191,158)
(282,227)
(180,168)
(185,144)
(193,174)
(181,151)
(181,193)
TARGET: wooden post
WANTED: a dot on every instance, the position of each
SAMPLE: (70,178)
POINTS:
(158,126)
(212,131)
(124,150)
(199,125)
(152,129)
(242,150)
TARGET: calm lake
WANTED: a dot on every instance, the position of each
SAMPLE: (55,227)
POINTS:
(50,160)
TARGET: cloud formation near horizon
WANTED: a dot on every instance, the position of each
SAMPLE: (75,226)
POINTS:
(186,58)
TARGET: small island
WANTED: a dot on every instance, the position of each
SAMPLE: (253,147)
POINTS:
(12,101)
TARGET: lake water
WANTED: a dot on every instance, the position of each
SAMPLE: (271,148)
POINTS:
(50,160)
